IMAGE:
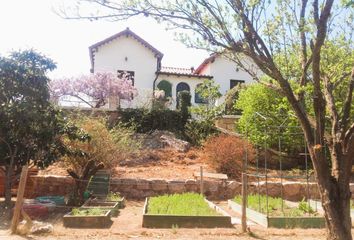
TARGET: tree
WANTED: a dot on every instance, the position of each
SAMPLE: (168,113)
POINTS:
(104,149)
(95,89)
(265,31)
(257,98)
(30,127)
(209,92)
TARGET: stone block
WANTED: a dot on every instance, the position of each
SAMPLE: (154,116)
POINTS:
(176,186)
(143,184)
(158,185)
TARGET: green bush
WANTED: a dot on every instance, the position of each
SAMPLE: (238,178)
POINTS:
(184,102)
(145,120)
(197,131)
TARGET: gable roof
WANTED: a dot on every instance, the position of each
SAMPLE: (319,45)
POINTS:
(127,32)
(208,60)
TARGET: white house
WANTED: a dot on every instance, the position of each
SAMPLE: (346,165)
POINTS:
(127,52)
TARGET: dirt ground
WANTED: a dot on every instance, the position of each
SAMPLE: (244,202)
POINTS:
(128,226)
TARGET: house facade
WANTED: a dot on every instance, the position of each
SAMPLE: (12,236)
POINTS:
(127,52)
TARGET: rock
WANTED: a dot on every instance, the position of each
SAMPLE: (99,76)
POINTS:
(143,184)
(40,228)
(178,144)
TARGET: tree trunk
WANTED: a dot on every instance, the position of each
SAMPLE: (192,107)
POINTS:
(336,205)
(8,184)
(335,194)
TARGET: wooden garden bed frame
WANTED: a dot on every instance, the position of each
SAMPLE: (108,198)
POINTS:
(100,221)
(278,222)
(104,205)
(169,221)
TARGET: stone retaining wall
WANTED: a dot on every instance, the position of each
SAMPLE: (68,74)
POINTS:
(141,188)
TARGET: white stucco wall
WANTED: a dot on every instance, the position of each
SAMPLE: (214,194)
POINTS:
(174,80)
(223,70)
(126,53)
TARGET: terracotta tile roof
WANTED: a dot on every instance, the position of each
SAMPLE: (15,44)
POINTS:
(189,72)
(205,62)
(127,32)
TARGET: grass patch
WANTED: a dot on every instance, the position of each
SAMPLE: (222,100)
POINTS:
(88,212)
(259,203)
(187,204)
(115,197)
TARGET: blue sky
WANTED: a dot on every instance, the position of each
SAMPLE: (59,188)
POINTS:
(33,24)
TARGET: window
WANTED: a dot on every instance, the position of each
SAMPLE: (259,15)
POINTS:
(126,74)
(234,83)
(197,97)
(166,86)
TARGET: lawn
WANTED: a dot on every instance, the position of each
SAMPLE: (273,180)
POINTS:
(259,203)
(187,204)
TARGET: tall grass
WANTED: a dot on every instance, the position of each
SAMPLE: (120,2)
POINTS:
(187,204)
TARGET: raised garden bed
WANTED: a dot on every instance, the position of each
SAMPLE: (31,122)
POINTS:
(100,204)
(317,205)
(187,210)
(294,215)
(88,218)
(113,197)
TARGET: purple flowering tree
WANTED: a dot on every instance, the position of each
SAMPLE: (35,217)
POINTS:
(95,90)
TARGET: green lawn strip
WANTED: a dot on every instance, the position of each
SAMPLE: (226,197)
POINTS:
(187,204)
(88,212)
(259,203)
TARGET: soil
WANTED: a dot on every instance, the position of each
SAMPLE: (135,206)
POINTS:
(170,164)
(128,226)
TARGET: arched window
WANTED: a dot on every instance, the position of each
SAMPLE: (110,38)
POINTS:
(182,86)
(166,86)
(197,97)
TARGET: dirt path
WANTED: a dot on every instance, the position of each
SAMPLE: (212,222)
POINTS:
(128,226)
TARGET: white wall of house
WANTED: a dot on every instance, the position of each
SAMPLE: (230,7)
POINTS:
(174,80)
(223,70)
(126,53)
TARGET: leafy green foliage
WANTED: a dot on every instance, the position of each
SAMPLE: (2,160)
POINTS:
(230,99)
(209,91)
(257,98)
(184,102)
(30,127)
(112,196)
(197,131)
(166,86)
(259,203)
(88,212)
(144,120)
(187,204)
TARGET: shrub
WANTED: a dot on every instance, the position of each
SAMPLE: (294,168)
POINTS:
(197,131)
(184,102)
(225,153)
(146,121)
(104,149)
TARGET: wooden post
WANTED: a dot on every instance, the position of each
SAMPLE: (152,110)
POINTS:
(19,201)
(201,181)
(244,202)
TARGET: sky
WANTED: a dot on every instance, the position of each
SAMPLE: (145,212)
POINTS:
(26,24)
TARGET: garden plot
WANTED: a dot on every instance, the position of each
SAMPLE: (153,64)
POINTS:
(279,213)
(88,218)
(187,210)
(317,205)
(113,197)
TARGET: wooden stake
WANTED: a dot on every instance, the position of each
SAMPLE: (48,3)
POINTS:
(244,202)
(201,181)
(19,201)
